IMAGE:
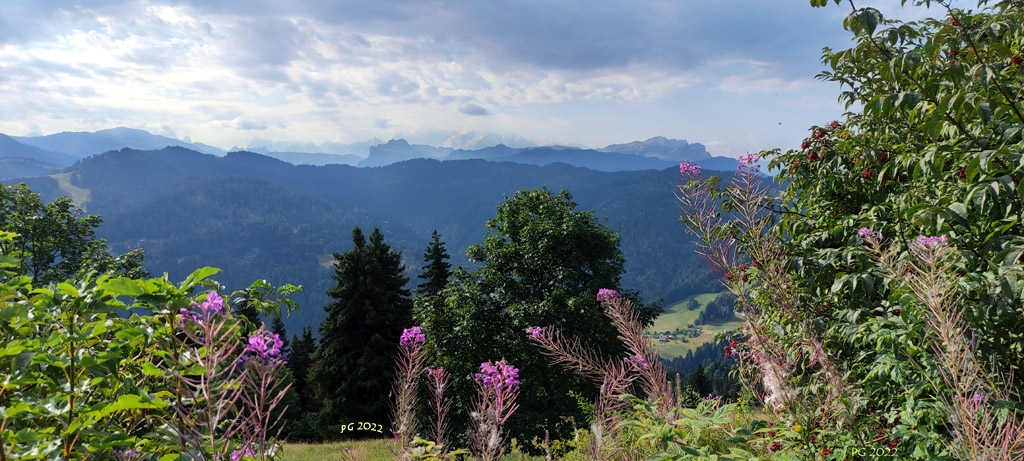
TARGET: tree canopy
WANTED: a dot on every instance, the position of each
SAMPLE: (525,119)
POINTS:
(354,363)
(543,262)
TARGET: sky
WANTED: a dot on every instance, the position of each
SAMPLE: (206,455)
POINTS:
(735,75)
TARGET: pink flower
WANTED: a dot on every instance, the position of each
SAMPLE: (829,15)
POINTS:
(749,159)
(637,360)
(498,374)
(606,294)
(866,233)
(689,169)
(412,337)
(536,332)
(213,303)
(923,241)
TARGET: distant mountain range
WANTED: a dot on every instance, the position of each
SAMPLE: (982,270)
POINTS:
(259,217)
(38,155)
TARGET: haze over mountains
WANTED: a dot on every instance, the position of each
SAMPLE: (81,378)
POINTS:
(281,215)
(37,155)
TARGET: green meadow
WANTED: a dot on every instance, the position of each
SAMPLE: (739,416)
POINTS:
(678,316)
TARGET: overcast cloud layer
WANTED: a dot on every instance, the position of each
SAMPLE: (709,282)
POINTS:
(736,75)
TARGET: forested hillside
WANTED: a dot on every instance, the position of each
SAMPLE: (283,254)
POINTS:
(258,217)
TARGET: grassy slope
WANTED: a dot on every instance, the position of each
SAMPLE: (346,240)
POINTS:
(677,316)
(77,194)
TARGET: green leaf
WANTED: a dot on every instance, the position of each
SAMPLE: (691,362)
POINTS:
(122,286)
(149,369)
(131,402)
(199,275)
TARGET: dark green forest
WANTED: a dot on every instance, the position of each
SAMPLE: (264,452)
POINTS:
(260,218)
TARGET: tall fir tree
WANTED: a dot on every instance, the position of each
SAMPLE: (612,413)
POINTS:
(436,271)
(303,428)
(354,366)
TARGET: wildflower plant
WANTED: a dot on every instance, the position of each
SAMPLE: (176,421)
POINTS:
(982,430)
(793,368)
(410,367)
(614,377)
(438,382)
(228,390)
(497,389)
(210,384)
(263,372)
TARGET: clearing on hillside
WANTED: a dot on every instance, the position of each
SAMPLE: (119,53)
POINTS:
(678,317)
(77,194)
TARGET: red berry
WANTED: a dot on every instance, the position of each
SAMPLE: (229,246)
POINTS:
(732,344)
(834,124)
(819,134)
(962,173)
(805,145)
(743,267)
(953,22)
(812,156)
(1016,59)
(867,173)
(753,263)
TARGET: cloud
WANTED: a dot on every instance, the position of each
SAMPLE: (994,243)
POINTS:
(303,68)
(473,109)
(249,125)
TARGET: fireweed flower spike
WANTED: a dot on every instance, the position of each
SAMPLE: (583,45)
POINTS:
(689,169)
(606,294)
(412,336)
(923,241)
(536,332)
(403,408)
(264,346)
(866,233)
(637,360)
(497,389)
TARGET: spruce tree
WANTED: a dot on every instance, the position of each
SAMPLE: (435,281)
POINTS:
(435,272)
(277,327)
(302,428)
(354,366)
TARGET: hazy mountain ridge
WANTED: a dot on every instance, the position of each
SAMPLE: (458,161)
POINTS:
(62,149)
(11,147)
(256,216)
(675,150)
(84,144)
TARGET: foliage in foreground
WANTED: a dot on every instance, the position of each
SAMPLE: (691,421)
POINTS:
(103,366)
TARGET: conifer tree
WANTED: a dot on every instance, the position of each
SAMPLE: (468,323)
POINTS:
(299,361)
(277,327)
(436,271)
(354,365)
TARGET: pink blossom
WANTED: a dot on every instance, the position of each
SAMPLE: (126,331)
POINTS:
(412,337)
(498,374)
(689,169)
(606,294)
(869,234)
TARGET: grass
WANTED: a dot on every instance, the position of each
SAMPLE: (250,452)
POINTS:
(375,449)
(678,316)
(78,195)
